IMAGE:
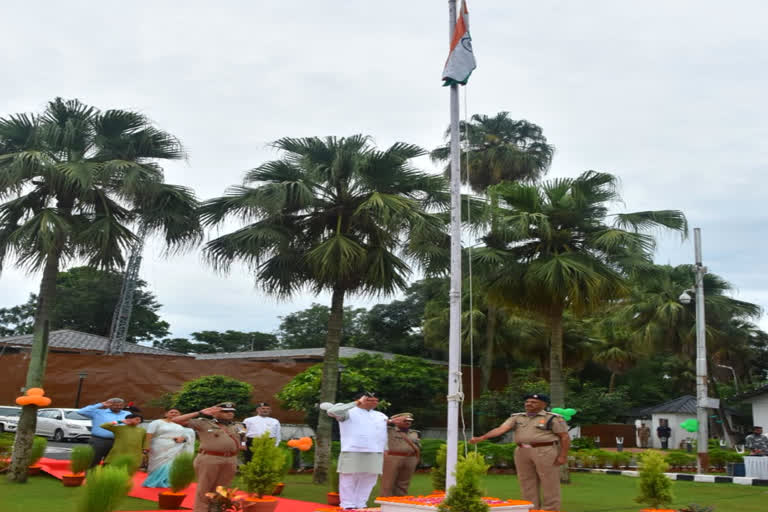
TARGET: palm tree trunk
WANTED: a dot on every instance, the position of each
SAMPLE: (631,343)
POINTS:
(328,386)
(38,359)
(556,372)
(486,361)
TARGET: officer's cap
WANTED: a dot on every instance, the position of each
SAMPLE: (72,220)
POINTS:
(403,415)
(537,396)
(226,406)
(262,404)
(361,394)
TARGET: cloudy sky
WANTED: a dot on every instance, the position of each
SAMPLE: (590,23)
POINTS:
(670,96)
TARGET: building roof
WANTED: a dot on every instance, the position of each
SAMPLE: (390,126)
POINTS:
(309,354)
(752,394)
(685,404)
(73,341)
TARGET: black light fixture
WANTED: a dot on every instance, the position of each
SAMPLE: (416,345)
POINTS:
(81,377)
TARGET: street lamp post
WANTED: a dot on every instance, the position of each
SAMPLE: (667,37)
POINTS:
(81,377)
(733,372)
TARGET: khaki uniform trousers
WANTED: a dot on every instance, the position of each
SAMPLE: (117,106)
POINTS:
(397,473)
(536,471)
(212,471)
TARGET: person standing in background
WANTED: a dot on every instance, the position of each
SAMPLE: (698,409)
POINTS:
(109,411)
(257,425)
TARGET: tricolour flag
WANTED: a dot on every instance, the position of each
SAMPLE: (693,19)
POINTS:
(461,60)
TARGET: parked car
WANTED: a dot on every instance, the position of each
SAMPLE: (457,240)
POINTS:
(9,417)
(63,424)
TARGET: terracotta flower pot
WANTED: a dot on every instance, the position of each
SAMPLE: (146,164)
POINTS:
(72,480)
(170,500)
(34,470)
(263,504)
(333,499)
(278,489)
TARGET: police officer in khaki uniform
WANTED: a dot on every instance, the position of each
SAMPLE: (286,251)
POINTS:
(220,442)
(402,455)
(542,447)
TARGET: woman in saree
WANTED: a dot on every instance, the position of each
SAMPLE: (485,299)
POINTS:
(166,440)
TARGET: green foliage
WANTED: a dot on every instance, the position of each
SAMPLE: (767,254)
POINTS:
(105,488)
(718,457)
(583,443)
(697,508)
(38,449)
(182,472)
(619,459)
(128,463)
(80,458)
(466,495)
(438,471)
(265,469)
(429,449)
(655,487)
(333,475)
(6,447)
(405,383)
(209,342)
(498,455)
(678,458)
(595,404)
(213,389)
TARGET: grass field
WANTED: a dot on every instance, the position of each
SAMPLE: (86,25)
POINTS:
(587,493)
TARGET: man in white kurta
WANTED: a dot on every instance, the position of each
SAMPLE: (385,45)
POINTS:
(257,425)
(363,442)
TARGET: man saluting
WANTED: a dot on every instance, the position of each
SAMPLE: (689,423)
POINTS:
(542,447)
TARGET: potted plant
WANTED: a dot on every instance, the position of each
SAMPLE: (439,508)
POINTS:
(287,464)
(262,474)
(333,482)
(180,475)
(655,487)
(39,444)
(466,495)
(79,461)
(105,489)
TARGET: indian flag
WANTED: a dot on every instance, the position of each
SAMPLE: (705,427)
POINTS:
(461,60)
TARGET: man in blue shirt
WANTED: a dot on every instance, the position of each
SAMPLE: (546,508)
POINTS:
(105,412)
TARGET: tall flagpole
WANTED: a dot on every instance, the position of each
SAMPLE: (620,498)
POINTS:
(454,337)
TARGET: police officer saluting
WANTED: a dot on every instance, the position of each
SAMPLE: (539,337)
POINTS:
(542,447)
(220,442)
(402,455)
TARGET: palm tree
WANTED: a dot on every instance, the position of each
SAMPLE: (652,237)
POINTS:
(333,214)
(73,180)
(558,252)
(615,349)
(497,149)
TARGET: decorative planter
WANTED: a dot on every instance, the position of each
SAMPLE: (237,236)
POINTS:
(72,480)
(333,499)
(278,489)
(34,470)
(431,502)
(170,500)
(263,504)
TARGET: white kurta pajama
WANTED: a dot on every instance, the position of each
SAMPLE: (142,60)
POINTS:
(363,442)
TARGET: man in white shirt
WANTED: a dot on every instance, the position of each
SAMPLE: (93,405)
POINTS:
(363,442)
(257,425)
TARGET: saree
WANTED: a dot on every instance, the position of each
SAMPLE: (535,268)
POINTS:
(163,449)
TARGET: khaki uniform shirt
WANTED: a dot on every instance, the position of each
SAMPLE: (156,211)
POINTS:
(533,429)
(401,442)
(644,432)
(215,436)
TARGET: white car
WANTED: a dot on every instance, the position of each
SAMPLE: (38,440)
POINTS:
(62,424)
(9,418)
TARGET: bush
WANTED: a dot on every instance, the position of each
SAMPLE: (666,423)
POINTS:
(499,455)
(619,459)
(104,490)
(583,443)
(128,463)
(678,459)
(429,449)
(81,458)
(212,389)
(39,444)
(655,487)
(466,495)
(182,472)
(265,469)
(718,457)
(437,473)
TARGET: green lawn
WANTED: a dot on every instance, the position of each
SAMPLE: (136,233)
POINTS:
(587,493)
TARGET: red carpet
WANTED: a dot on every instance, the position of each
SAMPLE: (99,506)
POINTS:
(58,468)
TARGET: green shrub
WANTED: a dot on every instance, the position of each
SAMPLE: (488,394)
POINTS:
(39,444)
(601,457)
(265,469)
(104,490)
(182,472)
(619,459)
(429,449)
(655,487)
(437,473)
(734,456)
(466,495)
(583,443)
(718,457)
(128,463)
(499,455)
(678,459)
(81,458)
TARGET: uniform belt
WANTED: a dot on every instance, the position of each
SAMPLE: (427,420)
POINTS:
(218,454)
(401,454)
(536,445)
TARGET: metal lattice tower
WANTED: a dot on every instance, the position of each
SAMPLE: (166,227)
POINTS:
(122,315)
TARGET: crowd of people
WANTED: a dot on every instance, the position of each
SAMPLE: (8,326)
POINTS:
(372,446)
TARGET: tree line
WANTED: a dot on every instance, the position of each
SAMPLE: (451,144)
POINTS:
(559,279)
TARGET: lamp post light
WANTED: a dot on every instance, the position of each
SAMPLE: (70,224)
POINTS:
(702,400)
(81,377)
(733,372)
